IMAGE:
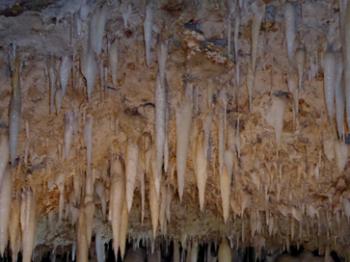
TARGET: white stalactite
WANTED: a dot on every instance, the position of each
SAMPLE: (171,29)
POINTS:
(290,27)
(4,155)
(147,29)
(15,110)
(5,209)
(183,130)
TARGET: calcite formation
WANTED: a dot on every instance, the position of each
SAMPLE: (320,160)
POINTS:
(190,123)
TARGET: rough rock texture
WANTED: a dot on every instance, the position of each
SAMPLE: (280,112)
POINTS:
(294,192)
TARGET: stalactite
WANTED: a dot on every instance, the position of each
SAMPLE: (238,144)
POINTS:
(132,159)
(4,156)
(28,223)
(97,29)
(15,228)
(341,153)
(347,63)
(52,75)
(329,66)
(5,208)
(82,247)
(154,206)
(65,71)
(89,69)
(162,209)
(250,86)
(88,129)
(339,96)
(290,27)
(147,29)
(201,167)
(100,248)
(294,90)
(116,201)
(225,189)
(300,58)
(160,125)
(258,9)
(123,229)
(69,119)
(275,116)
(60,185)
(15,110)
(89,206)
(183,128)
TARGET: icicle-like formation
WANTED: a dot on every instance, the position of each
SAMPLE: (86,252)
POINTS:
(132,159)
(69,120)
(275,116)
(147,29)
(290,24)
(65,70)
(300,61)
(225,190)
(250,86)
(4,155)
(116,201)
(126,13)
(60,185)
(100,248)
(341,153)
(154,206)
(258,9)
(28,222)
(183,129)
(142,172)
(162,57)
(89,70)
(52,74)
(347,63)
(163,209)
(160,125)
(236,35)
(201,159)
(113,62)
(229,37)
(221,136)
(88,141)
(5,206)
(339,96)
(225,254)
(15,228)
(82,247)
(123,230)
(97,29)
(293,88)
(329,67)
(15,110)
(89,206)
(58,99)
